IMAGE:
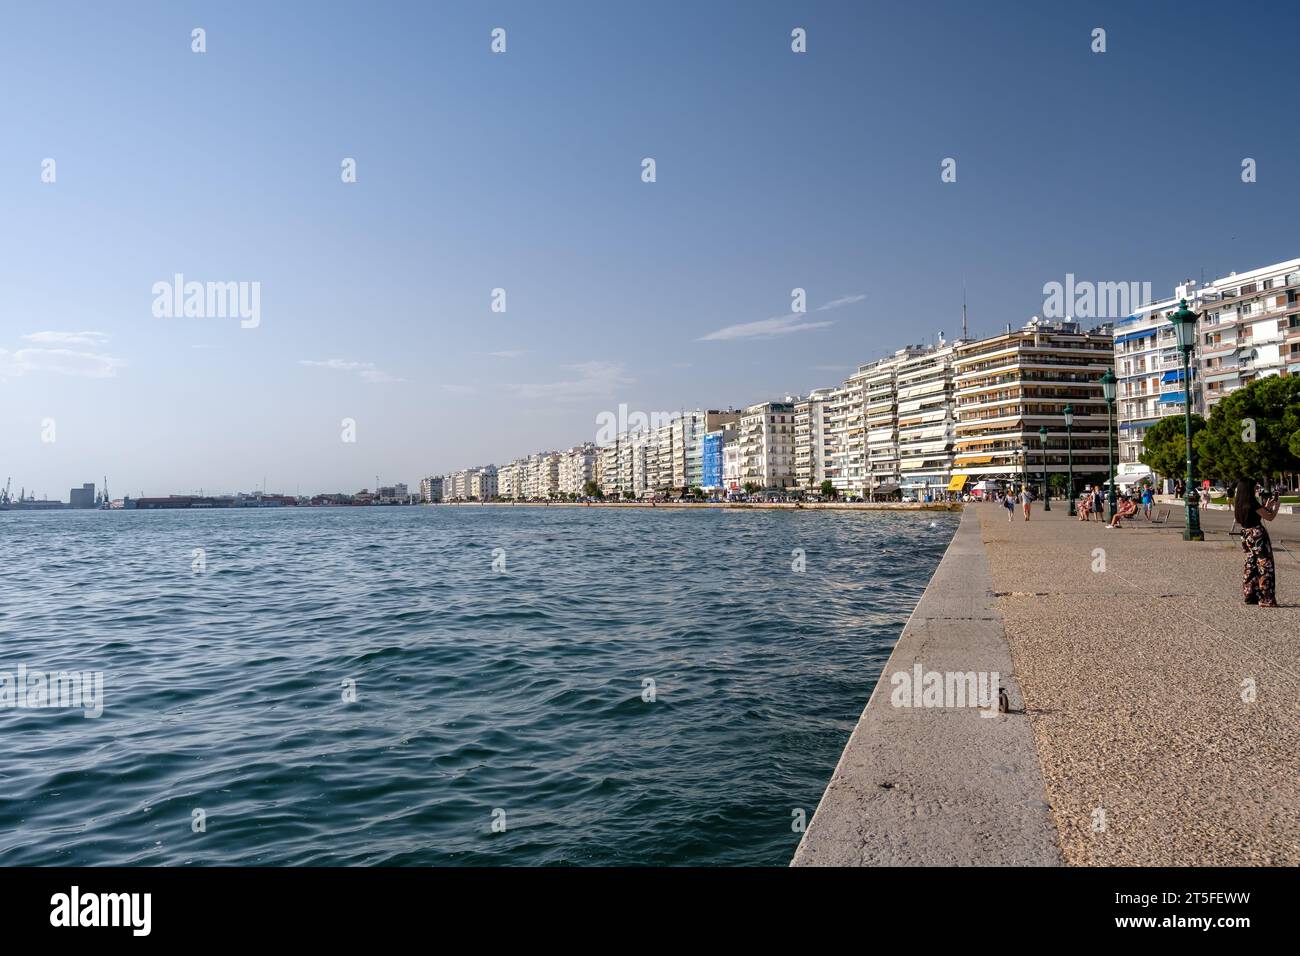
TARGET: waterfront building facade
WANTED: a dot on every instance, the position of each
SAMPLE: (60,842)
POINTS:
(767,445)
(926,420)
(810,438)
(431,489)
(577,467)
(1010,385)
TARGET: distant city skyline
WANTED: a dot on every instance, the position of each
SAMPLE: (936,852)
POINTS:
(486,179)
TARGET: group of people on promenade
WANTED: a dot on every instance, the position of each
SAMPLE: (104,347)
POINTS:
(1250,509)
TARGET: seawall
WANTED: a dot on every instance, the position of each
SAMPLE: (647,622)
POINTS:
(944,785)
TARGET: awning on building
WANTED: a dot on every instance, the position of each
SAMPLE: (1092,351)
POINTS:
(957,483)
(1172,398)
(886,489)
(1173,375)
(975,459)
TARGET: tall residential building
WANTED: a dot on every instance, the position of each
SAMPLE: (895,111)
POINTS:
(810,438)
(844,442)
(483,483)
(1009,386)
(713,447)
(687,433)
(431,489)
(1149,369)
(1251,328)
(883,471)
(927,420)
(577,467)
(731,461)
(767,445)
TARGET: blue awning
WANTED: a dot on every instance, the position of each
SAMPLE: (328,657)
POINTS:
(1175,375)
(1134,335)
(1173,398)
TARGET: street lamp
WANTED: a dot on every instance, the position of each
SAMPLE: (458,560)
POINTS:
(1184,321)
(1108,382)
(1042,441)
(1069,451)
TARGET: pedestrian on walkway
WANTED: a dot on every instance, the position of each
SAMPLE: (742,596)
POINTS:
(1025,499)
(1146,502)
(1098,503)
(1008,502)
(1257,578)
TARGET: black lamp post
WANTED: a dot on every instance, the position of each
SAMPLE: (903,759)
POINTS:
(1108,382)
(1042,440)
(1024,466)
(1069,451)
(1184,321)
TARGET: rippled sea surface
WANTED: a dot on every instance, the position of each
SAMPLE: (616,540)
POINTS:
(482,695)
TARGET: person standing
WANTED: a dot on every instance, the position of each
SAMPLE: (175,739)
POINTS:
(1258,580)
(1098,503)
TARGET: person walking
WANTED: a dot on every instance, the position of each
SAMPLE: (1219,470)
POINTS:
(1258,580)
(1025,499)
(1146,502)
(1008,502)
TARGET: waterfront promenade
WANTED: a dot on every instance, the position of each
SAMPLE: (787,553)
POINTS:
(1161,711)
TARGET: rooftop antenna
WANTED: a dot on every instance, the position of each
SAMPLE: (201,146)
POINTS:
(964,334)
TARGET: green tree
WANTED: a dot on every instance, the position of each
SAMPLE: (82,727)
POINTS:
(591,490)
(828,489)
(750,488)
(1250,433)
(1164,447)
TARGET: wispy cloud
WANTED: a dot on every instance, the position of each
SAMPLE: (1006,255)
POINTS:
(508,353)
(67,338)
(779,324)
(590,379)
(842,300)
(59,361)
(365,370)
(765,328)
(458,389)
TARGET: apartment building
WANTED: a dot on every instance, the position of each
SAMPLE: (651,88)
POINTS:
(844,448)
(1250,329)
(767,445)
(731,463)
(577,467)
(1149,373)
(431,489)
(483,483)
(686,445)
(1009,386)
(810,438)
(926,419)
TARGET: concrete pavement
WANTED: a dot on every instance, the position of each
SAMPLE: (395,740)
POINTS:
(939,785)
(1163,710)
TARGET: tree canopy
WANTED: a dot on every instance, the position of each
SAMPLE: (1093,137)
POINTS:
(1164,446)
(1254,432)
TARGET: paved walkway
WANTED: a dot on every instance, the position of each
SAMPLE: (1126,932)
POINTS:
(1133,680)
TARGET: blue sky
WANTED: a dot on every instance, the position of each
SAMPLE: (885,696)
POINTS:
(522,171)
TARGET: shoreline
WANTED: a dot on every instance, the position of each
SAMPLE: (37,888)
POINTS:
(1150,720)
(716,505)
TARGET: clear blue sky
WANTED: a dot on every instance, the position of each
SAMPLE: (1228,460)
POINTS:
(523,171)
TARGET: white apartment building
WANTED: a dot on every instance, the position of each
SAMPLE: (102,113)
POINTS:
(927,420)
(1149,370)
(1251,328)
(844,446)
(731,467)
(483,483)
(810,438)
(767,445)
(577,467)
